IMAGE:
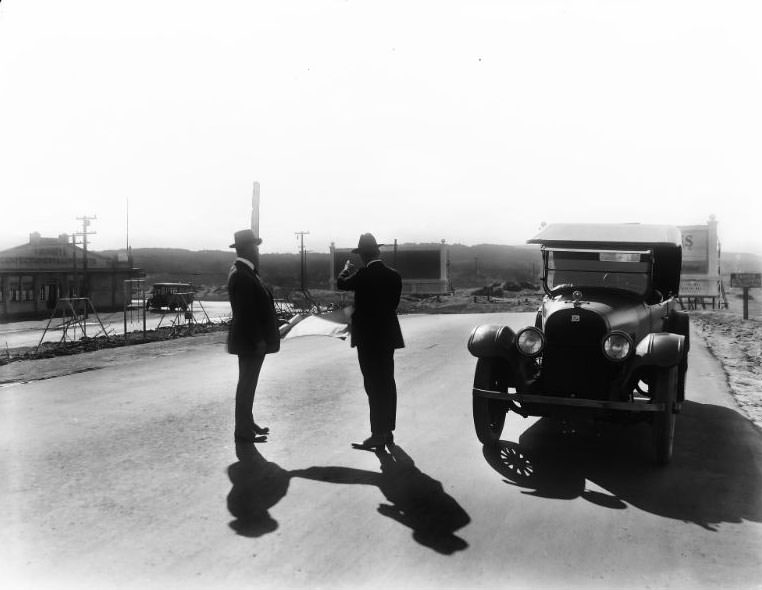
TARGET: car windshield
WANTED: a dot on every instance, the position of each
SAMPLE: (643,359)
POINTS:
(627,271)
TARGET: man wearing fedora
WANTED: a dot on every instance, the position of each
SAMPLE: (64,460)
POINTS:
(253,331)
(375,331)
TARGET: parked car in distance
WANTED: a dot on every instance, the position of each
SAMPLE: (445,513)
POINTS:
(170,296)
(608,341)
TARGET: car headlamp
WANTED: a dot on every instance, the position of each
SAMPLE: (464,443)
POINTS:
(617,346)
(530,341)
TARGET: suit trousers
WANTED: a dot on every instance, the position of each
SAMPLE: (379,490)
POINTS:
(377,367)
(249,366)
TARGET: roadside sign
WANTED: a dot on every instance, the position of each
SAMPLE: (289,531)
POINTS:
(746,280)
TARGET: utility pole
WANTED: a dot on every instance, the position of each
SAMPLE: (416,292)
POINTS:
(255,218)
(127,212)
(84,233)
(303,256)
(74,290)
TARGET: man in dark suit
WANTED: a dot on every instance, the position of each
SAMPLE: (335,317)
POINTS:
(375,331)
(253,331)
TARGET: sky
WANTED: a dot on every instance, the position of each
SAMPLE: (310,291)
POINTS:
(470,121)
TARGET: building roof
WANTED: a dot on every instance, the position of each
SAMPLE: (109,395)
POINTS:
(53,254)
(607,234)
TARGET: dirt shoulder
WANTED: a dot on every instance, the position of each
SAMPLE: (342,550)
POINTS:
(737,344)
(24,370)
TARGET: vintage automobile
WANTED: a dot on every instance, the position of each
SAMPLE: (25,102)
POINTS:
(608,341)
(171,296)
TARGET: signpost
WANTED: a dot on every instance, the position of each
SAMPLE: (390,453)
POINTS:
(746,281)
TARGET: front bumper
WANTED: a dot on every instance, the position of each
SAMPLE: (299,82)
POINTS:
(576,402)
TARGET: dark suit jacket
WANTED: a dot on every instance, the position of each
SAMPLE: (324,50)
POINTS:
(254,329)
(377,293)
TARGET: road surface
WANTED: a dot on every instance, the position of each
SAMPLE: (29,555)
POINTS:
(124,474)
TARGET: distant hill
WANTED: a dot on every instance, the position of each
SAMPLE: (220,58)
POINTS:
(208,269)
(469,266)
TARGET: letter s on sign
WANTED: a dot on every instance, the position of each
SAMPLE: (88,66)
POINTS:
(688,241)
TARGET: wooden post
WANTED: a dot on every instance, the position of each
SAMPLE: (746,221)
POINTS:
(127,292)
(746,303)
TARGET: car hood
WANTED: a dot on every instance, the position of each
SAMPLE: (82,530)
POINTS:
(619,313)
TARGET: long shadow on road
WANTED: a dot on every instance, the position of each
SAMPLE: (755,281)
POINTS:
(258,485)
(415,499)
(715,475)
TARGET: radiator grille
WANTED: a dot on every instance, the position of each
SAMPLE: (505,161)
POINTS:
(573,362)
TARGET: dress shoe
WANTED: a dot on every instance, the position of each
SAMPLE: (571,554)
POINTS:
(260,430)
(249,439)
(375,440)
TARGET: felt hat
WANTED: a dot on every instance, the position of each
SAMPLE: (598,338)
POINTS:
(243,237)
(367,243)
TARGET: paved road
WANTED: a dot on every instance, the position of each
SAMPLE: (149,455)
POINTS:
(125,476)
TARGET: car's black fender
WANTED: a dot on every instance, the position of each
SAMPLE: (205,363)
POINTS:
(491,340)
(660,349)
(496,344)
(679,323)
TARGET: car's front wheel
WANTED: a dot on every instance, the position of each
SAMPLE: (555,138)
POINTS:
(489,414)
(665,391)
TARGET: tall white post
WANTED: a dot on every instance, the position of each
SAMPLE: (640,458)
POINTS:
(255,216)
(255,210)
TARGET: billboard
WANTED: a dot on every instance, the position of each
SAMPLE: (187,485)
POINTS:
(423,269)
(411,264)
(414,264)
(695,249)
(700,271)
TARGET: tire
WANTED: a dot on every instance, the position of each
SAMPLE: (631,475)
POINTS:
(489,414)
(665,391)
